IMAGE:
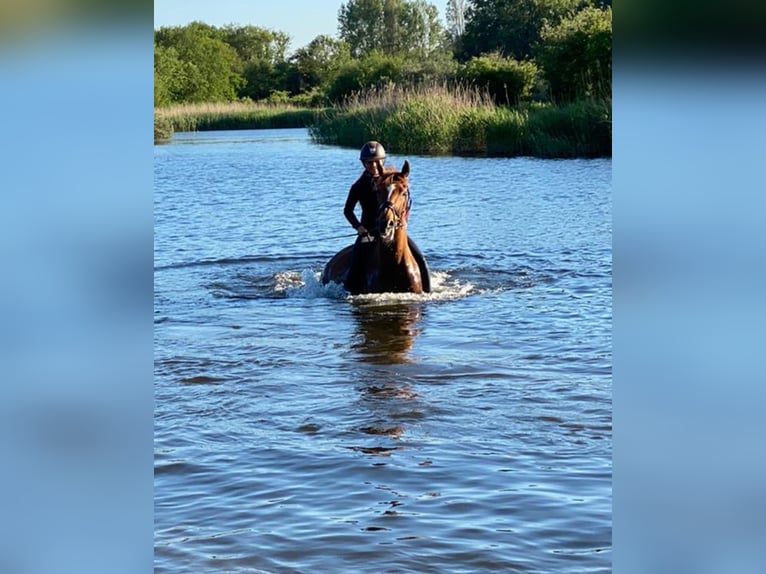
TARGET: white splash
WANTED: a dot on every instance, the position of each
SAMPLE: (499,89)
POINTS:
(307,285)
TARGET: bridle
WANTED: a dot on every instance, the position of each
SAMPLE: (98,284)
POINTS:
(400,218)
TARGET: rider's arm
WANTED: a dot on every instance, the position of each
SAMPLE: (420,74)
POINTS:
(348,209)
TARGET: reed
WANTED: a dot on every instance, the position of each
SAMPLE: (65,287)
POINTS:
(578,129)
(424,120)
(163,130)
(233,116)
(440,120)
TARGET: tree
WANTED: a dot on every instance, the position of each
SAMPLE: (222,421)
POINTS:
(261,59)
(391,27)
(168,76)
(510,27)
(206,65)
(576,55)
(373,70)
(422,35)
(318,64)
(506,80)
(456,18)
(254,43)
(361,25)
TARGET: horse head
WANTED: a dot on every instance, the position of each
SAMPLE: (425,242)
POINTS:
(394,203)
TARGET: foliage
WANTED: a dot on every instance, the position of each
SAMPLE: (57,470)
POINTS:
(393,27)
(393,75)
(576,55)
(319,63)
(421,33)
(163,129)
(510,27)
(441,120)
(202,63)
(578,129)
(256,44)
(204,67)
(168,75)
(358,75)
(232,115)
(505,79)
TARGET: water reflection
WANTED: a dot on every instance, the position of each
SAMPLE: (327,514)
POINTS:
(383,342)
(386,333)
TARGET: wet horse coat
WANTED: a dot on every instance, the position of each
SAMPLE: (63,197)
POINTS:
(395,263)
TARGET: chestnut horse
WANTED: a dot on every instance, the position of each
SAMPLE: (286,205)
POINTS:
(395,264)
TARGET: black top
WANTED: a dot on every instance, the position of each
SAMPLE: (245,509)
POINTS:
(362,192)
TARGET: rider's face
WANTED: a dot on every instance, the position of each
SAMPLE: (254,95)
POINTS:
(372,167)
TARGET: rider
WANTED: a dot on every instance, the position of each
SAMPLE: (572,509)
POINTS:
(372,156)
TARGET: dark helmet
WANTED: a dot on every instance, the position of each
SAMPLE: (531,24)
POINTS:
(372,151)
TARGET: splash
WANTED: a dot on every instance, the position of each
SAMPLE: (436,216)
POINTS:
(307,285)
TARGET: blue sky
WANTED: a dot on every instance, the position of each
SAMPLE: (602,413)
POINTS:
(303,20)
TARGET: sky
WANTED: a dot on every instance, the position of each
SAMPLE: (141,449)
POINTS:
(302,20)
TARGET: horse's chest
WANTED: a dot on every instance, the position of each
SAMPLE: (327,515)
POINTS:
(393,278)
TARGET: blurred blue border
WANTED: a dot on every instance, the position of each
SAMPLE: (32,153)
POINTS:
(76,299)
(689,256)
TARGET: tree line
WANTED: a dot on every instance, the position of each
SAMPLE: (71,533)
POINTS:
(516,50)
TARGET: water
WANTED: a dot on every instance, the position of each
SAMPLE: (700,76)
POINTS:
(301,430)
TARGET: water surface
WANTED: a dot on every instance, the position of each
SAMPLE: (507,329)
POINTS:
(298,429)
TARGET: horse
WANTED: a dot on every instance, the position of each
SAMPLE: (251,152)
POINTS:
(395,264)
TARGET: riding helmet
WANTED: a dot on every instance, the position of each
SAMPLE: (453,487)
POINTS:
(372,151)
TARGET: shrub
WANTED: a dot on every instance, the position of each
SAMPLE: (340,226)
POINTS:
(506,80)
(163,129)
(576,55)
(359,75)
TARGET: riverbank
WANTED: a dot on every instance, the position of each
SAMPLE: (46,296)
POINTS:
(465,122)
(434,121)
(227,116)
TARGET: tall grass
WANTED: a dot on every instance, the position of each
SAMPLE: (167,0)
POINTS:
(163,130)
(228,116)
(424,120)
(438,119)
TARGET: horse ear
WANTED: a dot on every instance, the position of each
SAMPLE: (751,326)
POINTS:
(406,168)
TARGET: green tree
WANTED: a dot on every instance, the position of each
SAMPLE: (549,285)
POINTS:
(576,55)
(391,27)
(168,76)
(262,78)
(318,64)
(254,43)
(505,79)
(261,59)
(422,35)
(361,25)
(510,27)
(206,65)
(374,70)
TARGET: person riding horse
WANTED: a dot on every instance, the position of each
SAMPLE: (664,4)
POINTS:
(364,191)
(372,156)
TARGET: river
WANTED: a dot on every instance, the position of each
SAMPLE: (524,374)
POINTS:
(300,430)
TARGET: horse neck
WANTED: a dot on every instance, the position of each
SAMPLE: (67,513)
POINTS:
(401,245)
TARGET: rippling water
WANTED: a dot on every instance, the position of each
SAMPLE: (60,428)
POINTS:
(301,430)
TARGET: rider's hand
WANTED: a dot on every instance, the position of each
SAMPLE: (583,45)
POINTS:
(361,230)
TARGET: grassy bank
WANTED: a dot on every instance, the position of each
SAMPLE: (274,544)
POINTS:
(428,121)
(227,116)
(440,121)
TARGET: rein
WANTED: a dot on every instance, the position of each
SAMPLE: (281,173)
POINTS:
(398,216)
(315,239)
